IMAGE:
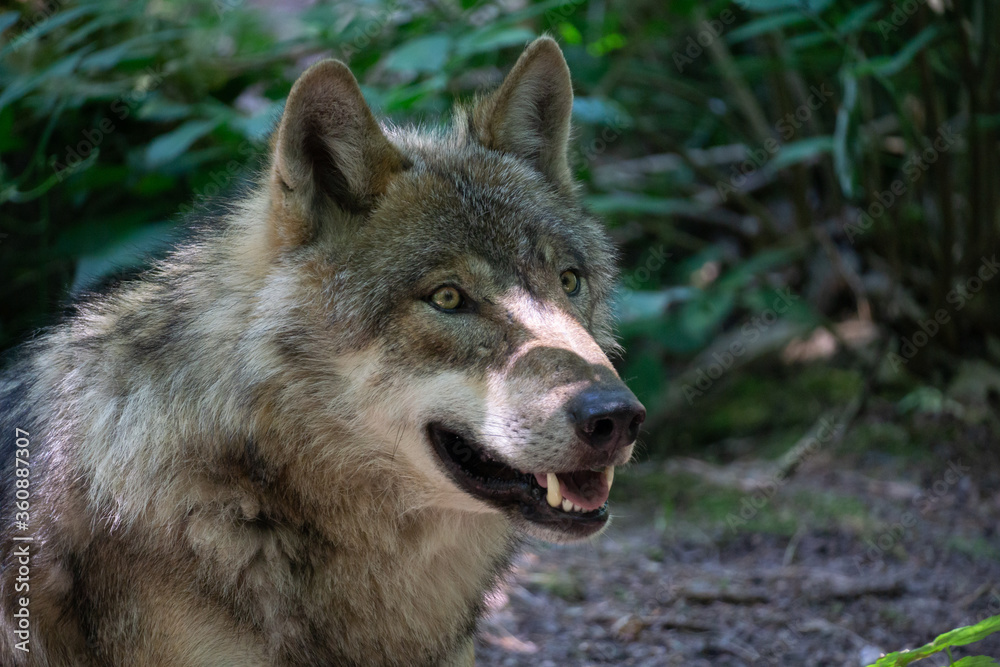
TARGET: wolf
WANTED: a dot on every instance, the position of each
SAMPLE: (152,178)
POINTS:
(319,429)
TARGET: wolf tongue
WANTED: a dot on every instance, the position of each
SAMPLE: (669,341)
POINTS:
(583,488)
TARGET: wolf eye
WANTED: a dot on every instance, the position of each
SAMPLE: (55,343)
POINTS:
(570,282)
(447,298)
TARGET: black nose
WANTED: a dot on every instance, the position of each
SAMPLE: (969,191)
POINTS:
(606,418)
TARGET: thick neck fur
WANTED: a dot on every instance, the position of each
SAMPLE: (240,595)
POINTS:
(214,456)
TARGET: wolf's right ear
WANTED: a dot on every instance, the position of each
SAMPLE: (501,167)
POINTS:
(328,149)
(529,115)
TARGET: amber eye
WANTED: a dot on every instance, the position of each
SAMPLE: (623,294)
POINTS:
(570,282)
(447,298)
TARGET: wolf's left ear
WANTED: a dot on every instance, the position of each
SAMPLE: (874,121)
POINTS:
(529,115)
(328,149)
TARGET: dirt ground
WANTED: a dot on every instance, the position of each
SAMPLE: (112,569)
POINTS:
(702,567)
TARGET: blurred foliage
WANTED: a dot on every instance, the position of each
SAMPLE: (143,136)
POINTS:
(769,167)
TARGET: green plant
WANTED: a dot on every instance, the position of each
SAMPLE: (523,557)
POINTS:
(944,643)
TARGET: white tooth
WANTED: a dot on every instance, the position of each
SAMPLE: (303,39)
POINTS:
(554,492)
(566,505)
(609,474)
(577,508)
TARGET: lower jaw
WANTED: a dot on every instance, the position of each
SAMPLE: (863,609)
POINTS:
(528,510)
(569,525)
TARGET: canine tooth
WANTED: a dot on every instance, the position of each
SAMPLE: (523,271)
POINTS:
(567,505)
(609,474)
(554,492)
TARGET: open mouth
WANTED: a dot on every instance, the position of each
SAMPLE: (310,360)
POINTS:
(572,501)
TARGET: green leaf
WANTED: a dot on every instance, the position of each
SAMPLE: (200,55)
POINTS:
(776,5)
(808,41)
(554,10)
(130,49)
(424,54)
(624,202)
(842,134)
(169,146)
(159,109)
(644,376)
(667,332)
(606,44)
(927,400)
(7,19)
(20,86)
(46,26)
(634,305)
(765,260)
(859,17)
(570,34)
(596,110)
(800,151)
(976,661)
(405,97)
(890,65)
(764,25)
(968,634)
(124,253)
(90,27)
(493,38)
(258,126)
(701,318)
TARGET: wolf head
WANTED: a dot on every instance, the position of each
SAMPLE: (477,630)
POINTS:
(457,295)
